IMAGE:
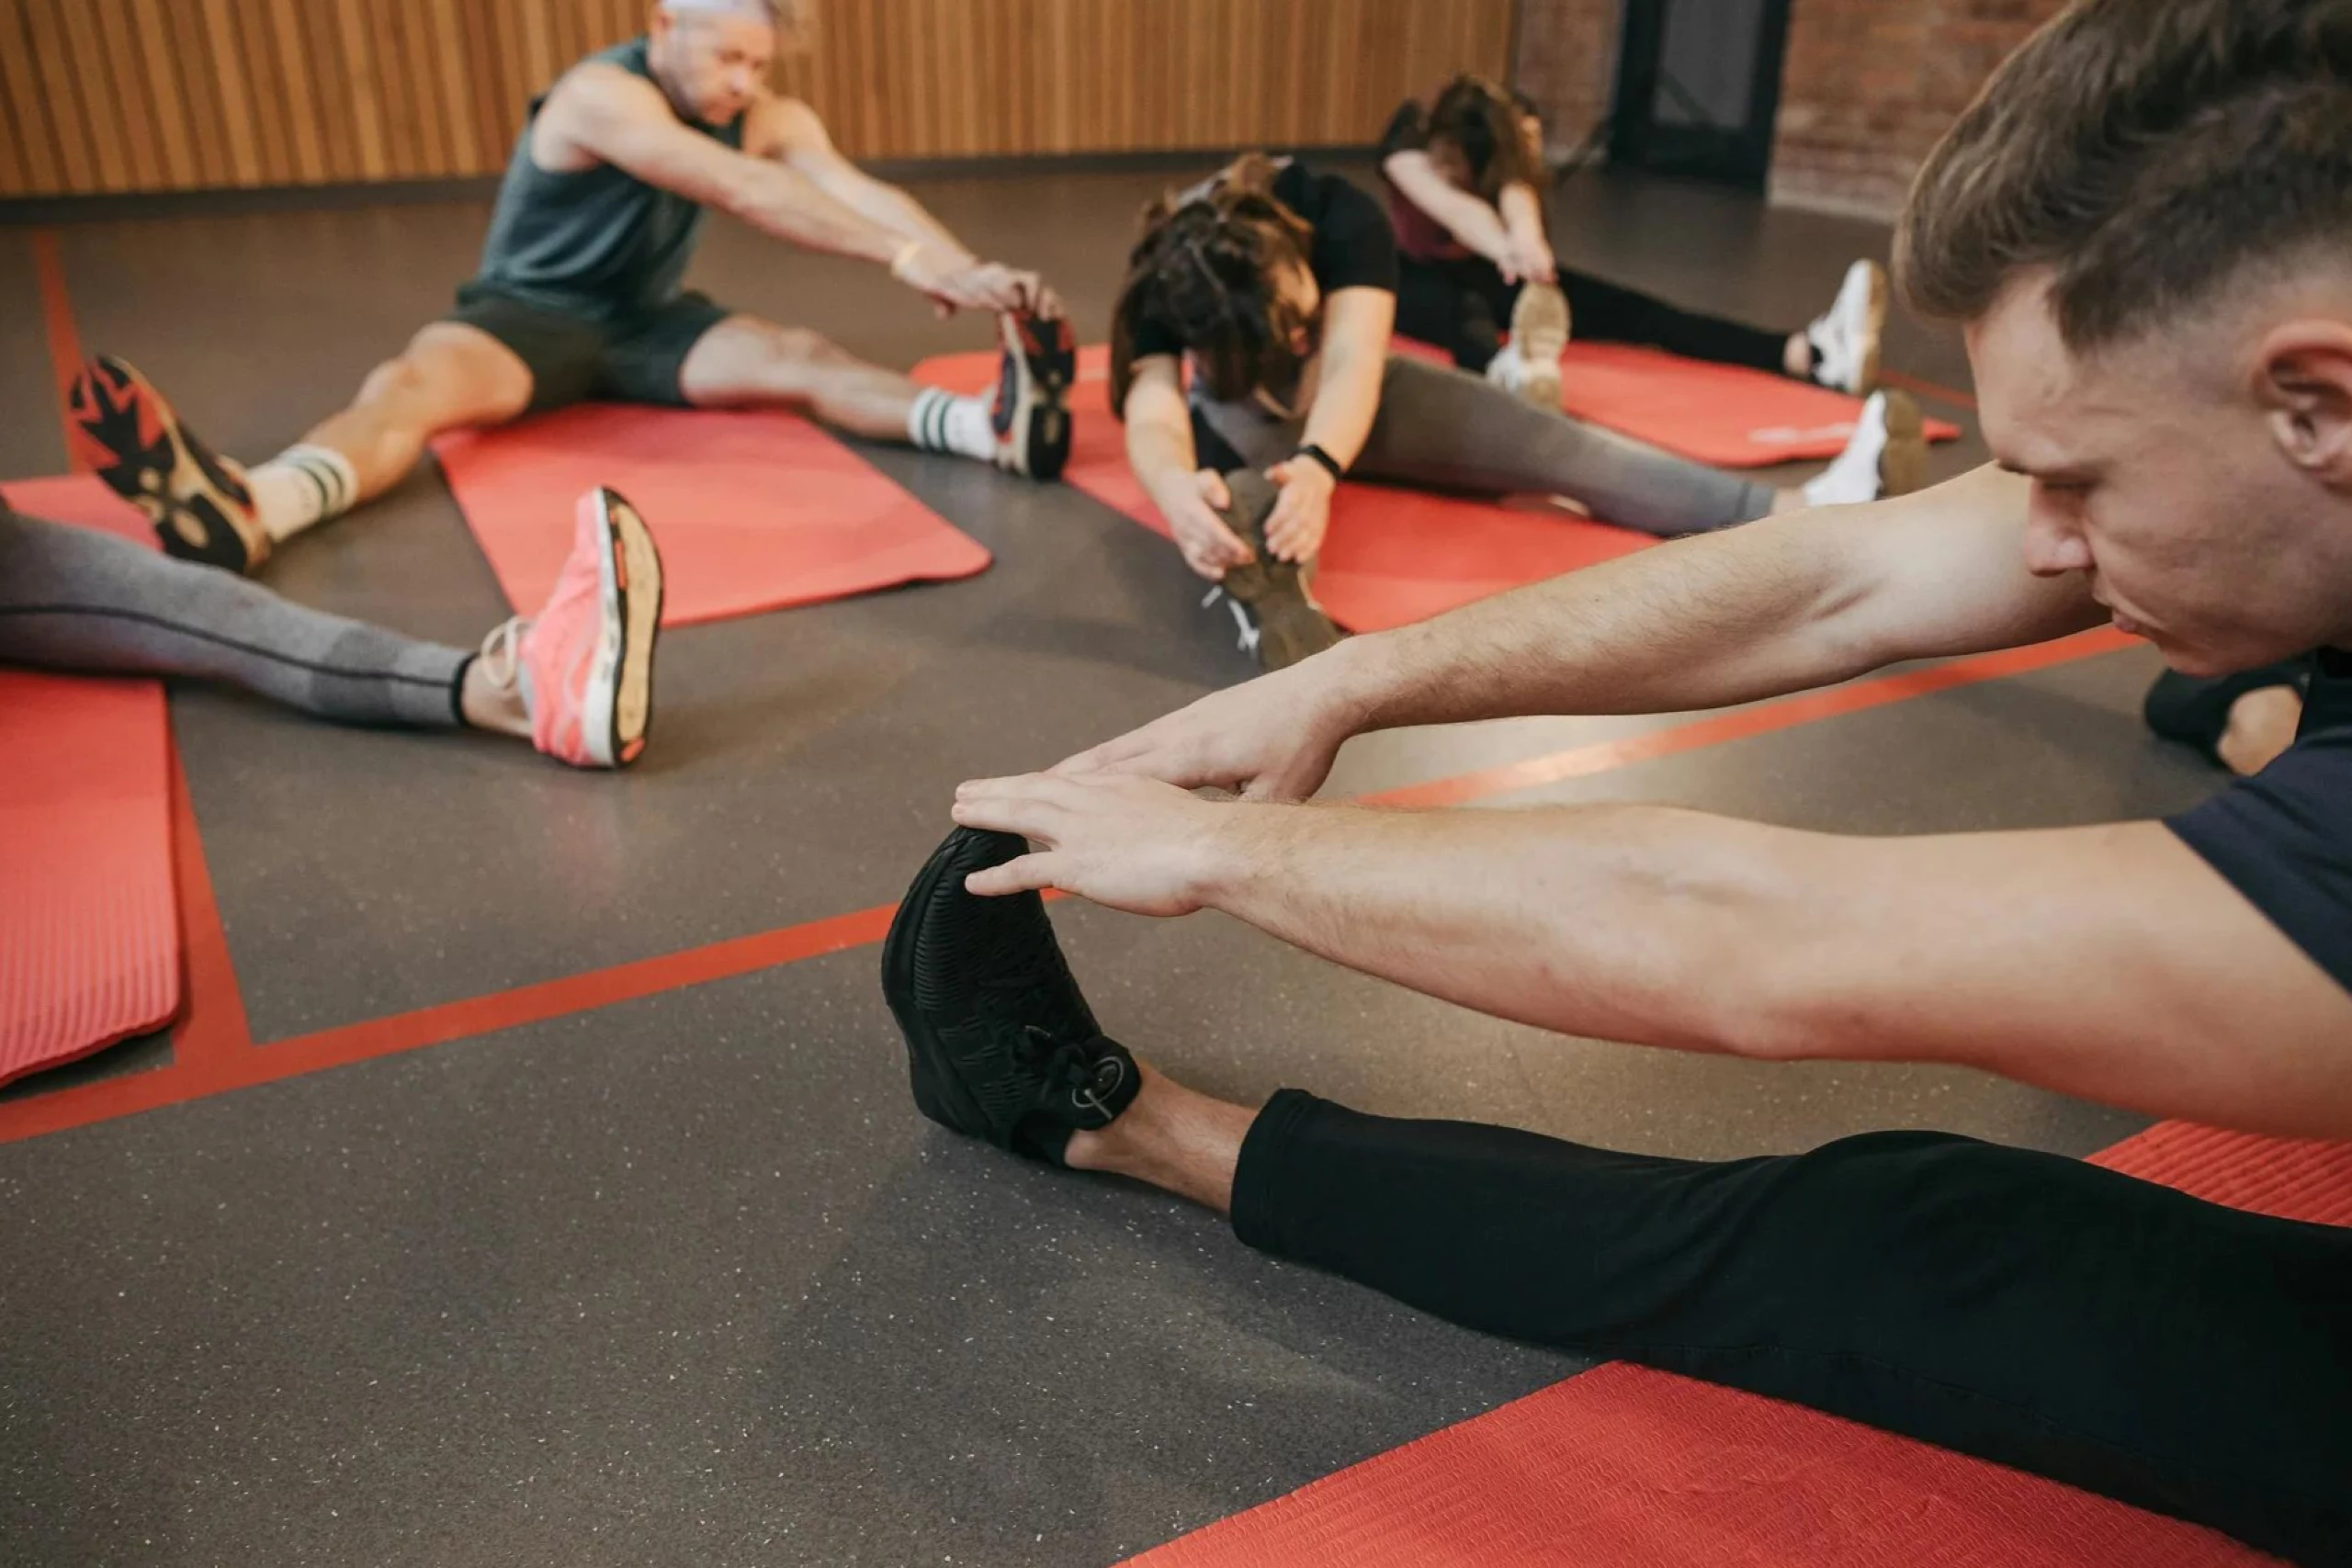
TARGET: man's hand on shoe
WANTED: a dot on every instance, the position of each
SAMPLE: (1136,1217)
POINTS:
(1273,738)
(959,283)
(1128,843)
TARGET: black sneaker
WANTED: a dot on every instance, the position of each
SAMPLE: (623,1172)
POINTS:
(1000,1043)
(2194,711)
(1031,414)
(196,499)
(1278,620)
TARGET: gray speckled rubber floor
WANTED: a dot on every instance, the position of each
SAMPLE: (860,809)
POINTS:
(684,1281)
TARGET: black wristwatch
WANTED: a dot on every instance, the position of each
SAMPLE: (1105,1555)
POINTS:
(1330,464)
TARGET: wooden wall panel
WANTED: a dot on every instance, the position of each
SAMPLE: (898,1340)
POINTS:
(117,95)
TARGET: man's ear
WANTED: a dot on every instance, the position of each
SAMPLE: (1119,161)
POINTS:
(2302,379)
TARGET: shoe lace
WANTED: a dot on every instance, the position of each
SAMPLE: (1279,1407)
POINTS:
(1062,1063)
(502,653)
(1247,634)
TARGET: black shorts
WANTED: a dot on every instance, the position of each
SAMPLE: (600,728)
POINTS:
(577,358)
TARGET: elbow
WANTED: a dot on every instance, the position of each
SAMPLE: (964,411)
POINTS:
(1763,1005)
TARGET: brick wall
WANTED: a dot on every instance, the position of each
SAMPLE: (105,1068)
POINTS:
(1567,63)
(1869,87)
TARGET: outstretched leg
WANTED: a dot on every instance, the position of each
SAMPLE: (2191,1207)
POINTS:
(1440,427)
(1023,427)
(2028,1309)
(81,601)
(208,508)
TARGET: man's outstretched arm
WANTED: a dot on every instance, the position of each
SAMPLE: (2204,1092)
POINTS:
(607,115)
(2110,962)
(1779,605)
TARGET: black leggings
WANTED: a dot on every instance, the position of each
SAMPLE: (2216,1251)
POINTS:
(1463,307)
(2031,1310)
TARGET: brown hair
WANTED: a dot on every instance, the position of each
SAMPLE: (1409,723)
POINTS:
(1207,273)
(1489,128)
(2148,151)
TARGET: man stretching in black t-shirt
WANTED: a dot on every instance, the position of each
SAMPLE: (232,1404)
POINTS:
(2146,226)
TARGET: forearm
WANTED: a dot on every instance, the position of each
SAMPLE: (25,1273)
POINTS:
(1784,604)
(1346,401)
(1724,618)
(1630,923)
(1522,215)
(905,217)
(1161,451)
(786,205)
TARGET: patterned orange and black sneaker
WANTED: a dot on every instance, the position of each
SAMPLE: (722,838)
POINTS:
(197,500)
(1031,412)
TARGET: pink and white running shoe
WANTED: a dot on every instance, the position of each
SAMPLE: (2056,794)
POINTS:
(586,662)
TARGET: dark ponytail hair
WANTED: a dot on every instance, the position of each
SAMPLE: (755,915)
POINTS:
(1488,125)
(1209,272)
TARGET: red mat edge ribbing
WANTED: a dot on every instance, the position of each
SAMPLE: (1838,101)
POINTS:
(1625,1466)
(754,510)
(89,936)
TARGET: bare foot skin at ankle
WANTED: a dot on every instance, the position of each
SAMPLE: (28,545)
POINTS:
(2261,726)
(491,706)
(1176,1139)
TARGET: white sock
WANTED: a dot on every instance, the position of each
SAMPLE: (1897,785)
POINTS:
(1854,476)
(301,487)
(1505,369)
(942,422)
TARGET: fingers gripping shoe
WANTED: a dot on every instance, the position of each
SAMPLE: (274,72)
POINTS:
(1031,411)
(196,499)
(1000,1043)
(1277,617)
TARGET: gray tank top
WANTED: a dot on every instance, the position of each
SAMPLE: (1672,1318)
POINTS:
(599,242)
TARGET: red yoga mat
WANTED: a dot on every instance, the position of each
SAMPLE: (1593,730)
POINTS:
(89,944)
(1727,416)
(1724,415)
(753,511)
(1392,557)
(1628,1468)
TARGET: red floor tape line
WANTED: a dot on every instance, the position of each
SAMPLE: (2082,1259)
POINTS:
(754,510)
(1393,555)
(89,942)
(1628,1468)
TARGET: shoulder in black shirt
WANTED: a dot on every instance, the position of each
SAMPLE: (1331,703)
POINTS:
(2284,837)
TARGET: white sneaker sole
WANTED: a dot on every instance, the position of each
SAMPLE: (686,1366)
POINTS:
(629,571)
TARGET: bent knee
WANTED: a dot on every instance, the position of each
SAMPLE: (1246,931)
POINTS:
(450,371)
(798,345)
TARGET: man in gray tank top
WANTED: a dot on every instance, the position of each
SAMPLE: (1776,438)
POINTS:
(580,297)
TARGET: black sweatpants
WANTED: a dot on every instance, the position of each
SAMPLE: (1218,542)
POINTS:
(1464,306)
(2031,1310)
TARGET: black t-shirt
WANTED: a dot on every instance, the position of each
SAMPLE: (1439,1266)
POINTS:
(2284,837)
(1353,247)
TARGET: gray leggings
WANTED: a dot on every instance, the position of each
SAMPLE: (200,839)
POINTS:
(89,603)
(1440,427)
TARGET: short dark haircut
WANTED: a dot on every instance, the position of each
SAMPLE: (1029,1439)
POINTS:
(2148,152)
(1208,272)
